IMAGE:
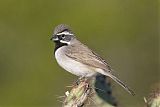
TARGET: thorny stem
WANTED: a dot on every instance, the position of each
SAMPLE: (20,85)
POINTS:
(97,92)
(89,92)
(153,100)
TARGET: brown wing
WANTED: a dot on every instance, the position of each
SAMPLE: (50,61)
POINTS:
(83,54)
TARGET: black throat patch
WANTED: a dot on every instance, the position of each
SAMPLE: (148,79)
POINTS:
(58,44)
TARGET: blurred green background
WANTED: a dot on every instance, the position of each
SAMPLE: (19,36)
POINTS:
(124,32)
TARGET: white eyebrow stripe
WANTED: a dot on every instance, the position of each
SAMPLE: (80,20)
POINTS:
(65,33)
(64,42)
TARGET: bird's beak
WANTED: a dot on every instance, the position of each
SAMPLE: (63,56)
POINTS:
(54,38)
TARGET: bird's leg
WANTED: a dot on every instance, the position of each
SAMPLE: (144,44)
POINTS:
(80,79)
(76,83)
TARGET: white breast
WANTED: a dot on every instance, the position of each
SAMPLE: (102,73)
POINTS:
(71,65)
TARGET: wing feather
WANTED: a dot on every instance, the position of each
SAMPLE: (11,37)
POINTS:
(83,54)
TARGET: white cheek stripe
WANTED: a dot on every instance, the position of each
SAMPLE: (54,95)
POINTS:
(65,33)
(56,39)
(64,42)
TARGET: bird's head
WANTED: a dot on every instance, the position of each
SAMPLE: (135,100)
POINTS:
(62,34)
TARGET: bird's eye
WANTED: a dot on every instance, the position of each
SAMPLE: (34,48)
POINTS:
(63,36)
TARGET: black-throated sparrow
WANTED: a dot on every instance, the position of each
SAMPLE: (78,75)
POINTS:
(77,58)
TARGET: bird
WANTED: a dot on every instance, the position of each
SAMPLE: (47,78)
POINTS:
(79,59)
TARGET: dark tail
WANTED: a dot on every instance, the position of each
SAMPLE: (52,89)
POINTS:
(120,83)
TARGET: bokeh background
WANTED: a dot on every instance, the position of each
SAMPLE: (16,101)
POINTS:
(124,32)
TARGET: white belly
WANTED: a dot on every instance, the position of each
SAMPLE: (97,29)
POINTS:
(72,66)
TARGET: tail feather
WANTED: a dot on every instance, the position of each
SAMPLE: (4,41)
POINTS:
(120,83)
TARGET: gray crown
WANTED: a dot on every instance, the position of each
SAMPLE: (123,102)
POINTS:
(62,27)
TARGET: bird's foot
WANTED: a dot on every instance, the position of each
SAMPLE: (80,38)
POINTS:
(78,81)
